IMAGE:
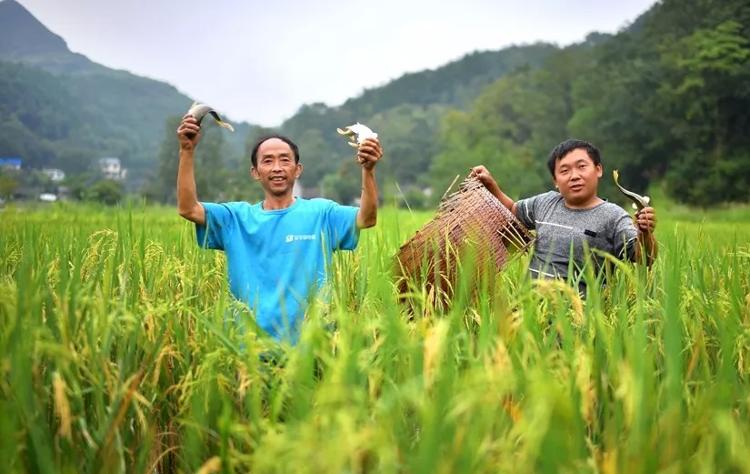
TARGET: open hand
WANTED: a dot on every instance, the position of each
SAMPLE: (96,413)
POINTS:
(369,152)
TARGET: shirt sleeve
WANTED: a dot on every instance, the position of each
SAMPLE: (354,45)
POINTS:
(625,237)
(526,211)
(211,234)
(342,227)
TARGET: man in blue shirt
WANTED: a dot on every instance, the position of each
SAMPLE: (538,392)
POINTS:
(278,250)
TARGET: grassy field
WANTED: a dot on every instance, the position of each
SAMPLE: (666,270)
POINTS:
(115,358)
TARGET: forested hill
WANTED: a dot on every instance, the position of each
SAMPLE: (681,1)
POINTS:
(62,110)
(406,112)
(667,99)
(454,84)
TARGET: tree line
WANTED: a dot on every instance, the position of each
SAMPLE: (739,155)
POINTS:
(667,100)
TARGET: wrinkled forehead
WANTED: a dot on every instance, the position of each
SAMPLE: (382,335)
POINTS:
(274,147)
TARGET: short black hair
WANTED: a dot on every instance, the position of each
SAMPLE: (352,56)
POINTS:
(559,152)
(287,140)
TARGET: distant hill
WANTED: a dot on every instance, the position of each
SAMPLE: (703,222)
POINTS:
(454,84)
(61,109)
(27,40)
(665,98)
(406,112)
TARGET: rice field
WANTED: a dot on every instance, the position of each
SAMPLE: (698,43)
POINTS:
(115,356)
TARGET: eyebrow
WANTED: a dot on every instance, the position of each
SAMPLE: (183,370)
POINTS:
(567,165)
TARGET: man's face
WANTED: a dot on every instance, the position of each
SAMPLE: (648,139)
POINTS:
(276,170)
(577,177)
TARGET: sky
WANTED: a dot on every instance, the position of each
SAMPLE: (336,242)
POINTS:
(259,61)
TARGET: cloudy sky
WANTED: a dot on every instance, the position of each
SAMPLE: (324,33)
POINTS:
(261,60)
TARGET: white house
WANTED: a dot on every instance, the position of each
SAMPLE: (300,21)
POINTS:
(54,174)
(111,168)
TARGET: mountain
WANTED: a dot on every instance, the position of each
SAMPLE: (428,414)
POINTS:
(27,40)
(407,112)
(666,99)
(62,110)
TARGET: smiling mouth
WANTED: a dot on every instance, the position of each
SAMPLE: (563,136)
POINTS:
(278,179)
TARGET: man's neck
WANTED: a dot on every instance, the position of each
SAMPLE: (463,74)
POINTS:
(274,203)
(588,204)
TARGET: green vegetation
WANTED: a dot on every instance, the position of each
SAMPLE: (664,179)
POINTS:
(65,122)
(666,98)
(406,114)
(115,357)
(119,350)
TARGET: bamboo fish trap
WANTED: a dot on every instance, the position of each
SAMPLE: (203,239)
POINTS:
(469,221)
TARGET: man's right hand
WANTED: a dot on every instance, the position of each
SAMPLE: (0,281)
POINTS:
(189,132)
(484,175)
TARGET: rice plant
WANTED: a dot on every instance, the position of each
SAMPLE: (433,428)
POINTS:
(122,351)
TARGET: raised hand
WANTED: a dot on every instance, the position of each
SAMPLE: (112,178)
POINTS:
(484,175)
(189,132)
(369,152)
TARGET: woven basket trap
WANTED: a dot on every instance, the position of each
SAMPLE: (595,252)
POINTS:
(470,217)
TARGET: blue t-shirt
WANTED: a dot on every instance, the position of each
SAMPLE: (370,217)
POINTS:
(277,259)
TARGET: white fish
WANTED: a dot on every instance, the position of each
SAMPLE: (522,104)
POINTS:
(357,133)
(639,202)
(199,111)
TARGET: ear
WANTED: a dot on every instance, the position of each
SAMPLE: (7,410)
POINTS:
(254,173)
(599,170)
(298,172)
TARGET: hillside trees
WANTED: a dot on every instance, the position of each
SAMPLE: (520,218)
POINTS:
(666,99)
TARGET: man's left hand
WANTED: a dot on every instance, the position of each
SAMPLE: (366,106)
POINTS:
(369,152)
(645,220)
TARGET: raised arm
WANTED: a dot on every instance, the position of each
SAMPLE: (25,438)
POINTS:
(188,206)
(368,155)
(483,175)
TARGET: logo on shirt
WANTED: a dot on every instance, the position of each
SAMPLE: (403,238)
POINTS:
(294,238)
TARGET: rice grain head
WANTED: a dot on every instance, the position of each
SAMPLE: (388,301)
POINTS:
(62,407)
(434,346)
(211,466)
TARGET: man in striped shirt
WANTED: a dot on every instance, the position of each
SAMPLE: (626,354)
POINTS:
(574,217)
